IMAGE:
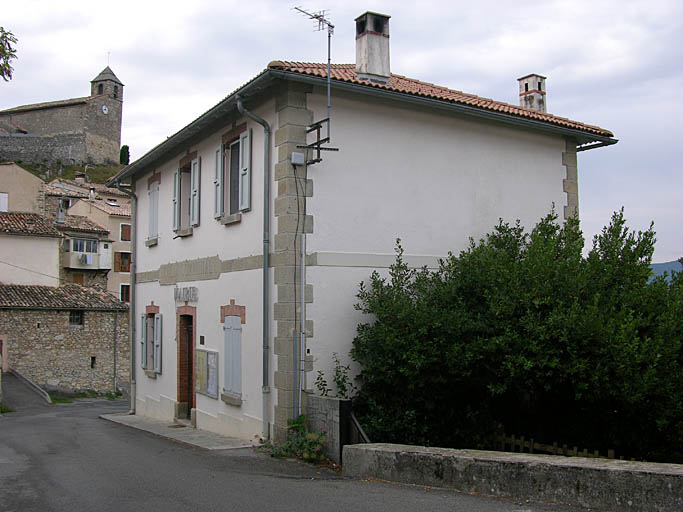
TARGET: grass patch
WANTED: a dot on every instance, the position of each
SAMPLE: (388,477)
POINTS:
(4,409)
(61,400)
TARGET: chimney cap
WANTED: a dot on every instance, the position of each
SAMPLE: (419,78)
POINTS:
(532,74)
(373,13)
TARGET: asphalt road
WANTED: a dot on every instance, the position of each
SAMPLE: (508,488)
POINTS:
(64,458)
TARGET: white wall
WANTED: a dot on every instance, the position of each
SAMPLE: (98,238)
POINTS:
(432,179)
(29,260)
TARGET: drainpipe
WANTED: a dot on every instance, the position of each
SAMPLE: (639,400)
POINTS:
(266,248)
(116,335)
(131,308)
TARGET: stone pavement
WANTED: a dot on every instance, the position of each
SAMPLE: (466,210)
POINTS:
(178,432)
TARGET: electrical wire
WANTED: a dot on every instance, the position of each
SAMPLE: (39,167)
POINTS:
(32,271)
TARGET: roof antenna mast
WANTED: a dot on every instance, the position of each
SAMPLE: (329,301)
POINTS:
(323,24)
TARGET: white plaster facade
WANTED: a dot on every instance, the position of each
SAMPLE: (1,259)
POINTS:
(29,260)
(432,176)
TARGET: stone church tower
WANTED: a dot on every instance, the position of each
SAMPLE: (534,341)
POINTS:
(77,130)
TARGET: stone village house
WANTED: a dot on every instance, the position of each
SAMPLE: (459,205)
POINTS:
(67,337)
(228,320)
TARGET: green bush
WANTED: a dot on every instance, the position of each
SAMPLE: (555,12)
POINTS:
(521,333)
(300,443)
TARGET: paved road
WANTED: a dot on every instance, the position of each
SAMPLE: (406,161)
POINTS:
(63,458)
(17,395)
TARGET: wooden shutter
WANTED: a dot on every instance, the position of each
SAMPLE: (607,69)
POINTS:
(218,185)
(245,171)
(143,341)
(233,354)
(157,343)
(125,232)
(176,200)
(195,185)
(117,262)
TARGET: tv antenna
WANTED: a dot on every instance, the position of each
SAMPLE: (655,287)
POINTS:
(323,24)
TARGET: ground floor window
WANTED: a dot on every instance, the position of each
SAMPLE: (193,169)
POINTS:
(150,340)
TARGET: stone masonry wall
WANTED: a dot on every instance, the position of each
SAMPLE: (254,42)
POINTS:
(293,118)
(69,148)
(48,350)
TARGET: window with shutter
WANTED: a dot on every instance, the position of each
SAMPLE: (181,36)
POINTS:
(117,262)
(176,200)
(245,171)
(232,328)
(157,343)
(143,341)
(125,232)
(195,197)
(153,194)
(218,184)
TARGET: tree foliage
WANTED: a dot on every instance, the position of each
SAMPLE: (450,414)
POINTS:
(8,52)
(521,333)
(124,155)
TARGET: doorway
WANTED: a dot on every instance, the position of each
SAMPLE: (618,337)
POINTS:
(186,394)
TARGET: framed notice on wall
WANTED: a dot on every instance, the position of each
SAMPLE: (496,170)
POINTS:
(206,372)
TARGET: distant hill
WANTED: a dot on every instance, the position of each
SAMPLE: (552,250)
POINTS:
(659,269)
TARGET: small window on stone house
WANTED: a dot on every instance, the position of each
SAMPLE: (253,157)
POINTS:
(100,89)
(76,317)
(116,91)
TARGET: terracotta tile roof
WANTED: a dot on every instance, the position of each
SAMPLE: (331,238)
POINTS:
(120,210)
(80,223)
(59,186)
(52,189)
(69,296)
(402,84)
(46,104)
(24,223)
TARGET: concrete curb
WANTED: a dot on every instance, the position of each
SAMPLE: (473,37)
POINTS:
(35,387)
(178,433)
(600,484)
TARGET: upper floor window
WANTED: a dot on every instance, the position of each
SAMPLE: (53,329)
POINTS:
(116,91)
(232,176)
(122,262)
(100,89)
(84,245)
(186,194)
(125,232)
(153,195)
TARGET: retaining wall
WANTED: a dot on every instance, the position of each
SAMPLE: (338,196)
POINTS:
(599,484)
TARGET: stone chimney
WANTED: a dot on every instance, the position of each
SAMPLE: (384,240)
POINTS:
(372,47)
(532,92)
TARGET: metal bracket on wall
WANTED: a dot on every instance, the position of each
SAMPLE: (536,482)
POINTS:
(317,145)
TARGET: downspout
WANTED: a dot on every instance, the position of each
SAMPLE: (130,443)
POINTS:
(116,335)
(266,248)
(131,308)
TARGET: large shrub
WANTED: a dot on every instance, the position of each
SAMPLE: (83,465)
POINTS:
(521,333)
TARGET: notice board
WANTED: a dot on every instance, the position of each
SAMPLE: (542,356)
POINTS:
(206,372)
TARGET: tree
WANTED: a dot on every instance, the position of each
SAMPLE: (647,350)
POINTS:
(7,53)
(124,155)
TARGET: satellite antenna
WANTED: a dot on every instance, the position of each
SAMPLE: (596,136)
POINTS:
(317,146)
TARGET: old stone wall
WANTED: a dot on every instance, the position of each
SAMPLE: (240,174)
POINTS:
(69,148)
(45,347)
(49,121)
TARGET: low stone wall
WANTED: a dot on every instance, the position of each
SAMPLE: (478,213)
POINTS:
(598,484)
(44,347)
(68,148)
(331,415)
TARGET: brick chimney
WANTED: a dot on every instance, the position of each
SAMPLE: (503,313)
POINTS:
(372,47)
(532,92)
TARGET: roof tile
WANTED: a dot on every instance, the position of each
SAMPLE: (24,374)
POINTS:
(69,296)
(24,223)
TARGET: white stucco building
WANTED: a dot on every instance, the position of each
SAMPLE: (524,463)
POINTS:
(224,204)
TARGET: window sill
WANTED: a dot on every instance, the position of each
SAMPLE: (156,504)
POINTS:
(235,218)
(151,242)
(231,398)
(181,233)
(150,374)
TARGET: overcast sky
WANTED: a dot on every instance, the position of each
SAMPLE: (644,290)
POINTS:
(617,64)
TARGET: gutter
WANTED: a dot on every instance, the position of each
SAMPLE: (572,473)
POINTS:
(265,434)
(131,306)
